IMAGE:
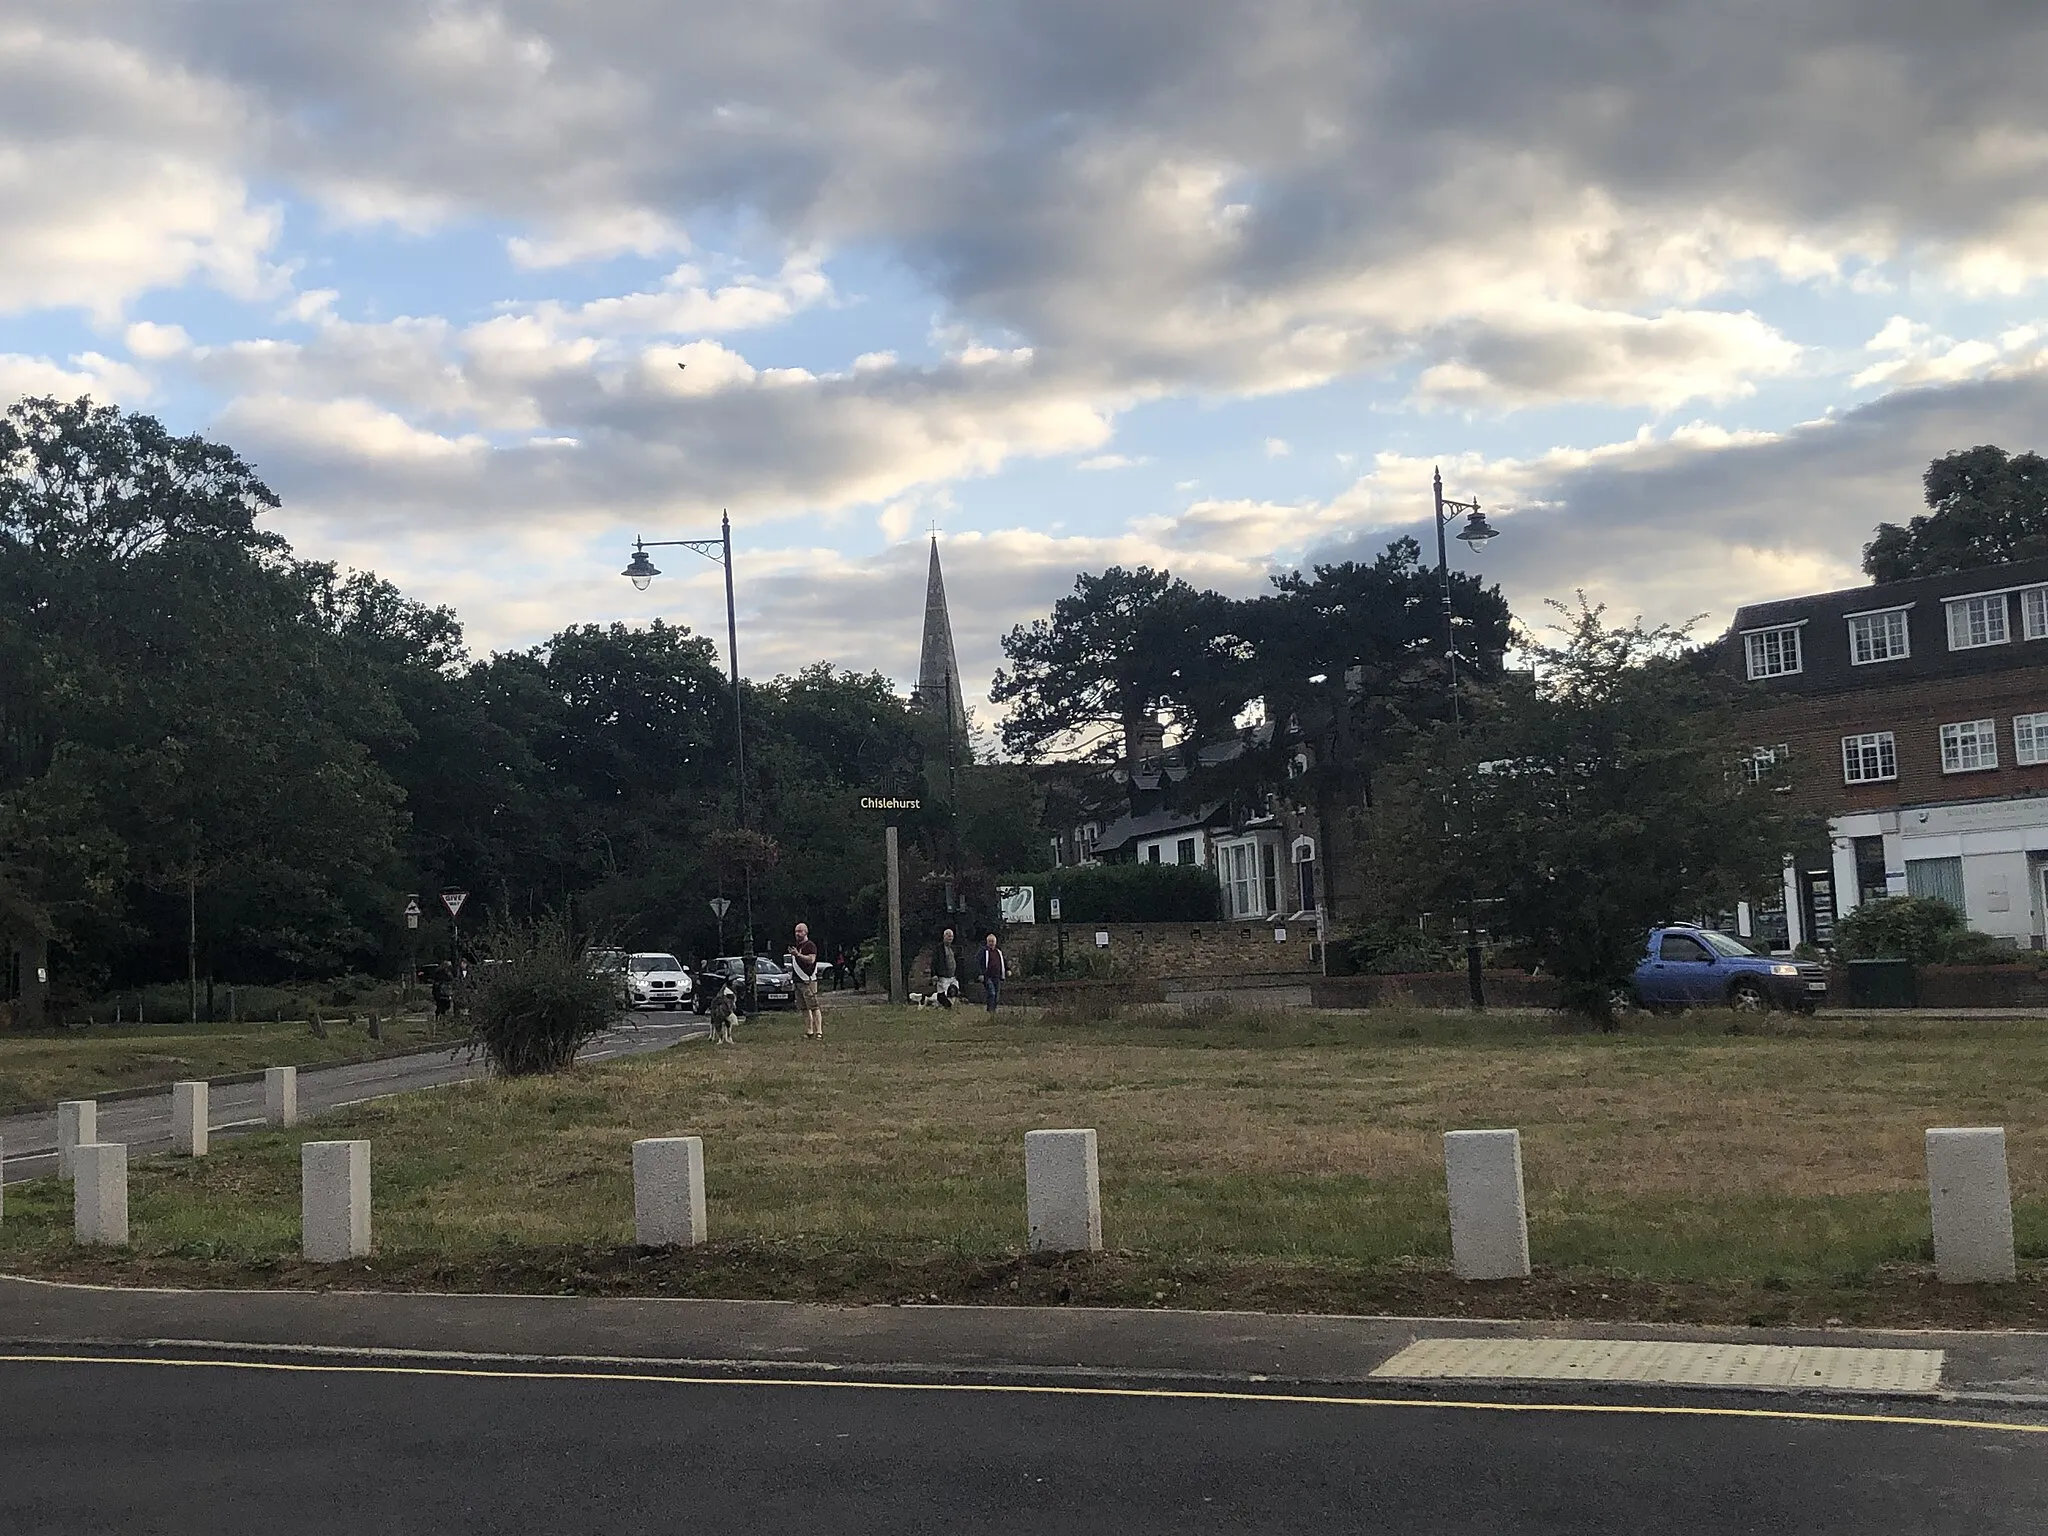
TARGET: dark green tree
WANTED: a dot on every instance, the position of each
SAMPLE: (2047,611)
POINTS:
(1987,507)
(1117,652)
(1345,661)
(1591,802)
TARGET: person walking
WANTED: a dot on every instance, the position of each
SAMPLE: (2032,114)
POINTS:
(803,969)
(994,971)
(945,970)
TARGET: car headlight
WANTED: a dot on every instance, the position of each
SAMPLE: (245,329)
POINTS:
(1784,970)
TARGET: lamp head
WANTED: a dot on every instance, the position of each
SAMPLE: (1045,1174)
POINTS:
(640,570)
(1477,529)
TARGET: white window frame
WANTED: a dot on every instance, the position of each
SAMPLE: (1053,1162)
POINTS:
(2034,612)
(1982,737)
(1755,643)
(1237,869)
(1761,760)
(1987,603)
(2030,739)
(1881,745)
(1881,621)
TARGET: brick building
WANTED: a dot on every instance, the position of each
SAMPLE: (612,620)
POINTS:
(1914,717)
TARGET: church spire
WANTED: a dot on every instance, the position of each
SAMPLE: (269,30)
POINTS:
(938,669)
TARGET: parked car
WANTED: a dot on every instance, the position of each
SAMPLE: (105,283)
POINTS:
(656,981)
(772,985)
(1689,967)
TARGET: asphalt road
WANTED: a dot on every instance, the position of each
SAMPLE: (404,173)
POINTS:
(144,1123)
(305,1446)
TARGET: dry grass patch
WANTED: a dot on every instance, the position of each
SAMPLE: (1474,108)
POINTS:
(42,1068)
(1285,1144)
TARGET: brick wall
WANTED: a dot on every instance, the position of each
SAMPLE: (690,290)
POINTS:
(1171,949)
(1813,727)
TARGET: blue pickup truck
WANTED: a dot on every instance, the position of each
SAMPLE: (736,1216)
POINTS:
(1688,967)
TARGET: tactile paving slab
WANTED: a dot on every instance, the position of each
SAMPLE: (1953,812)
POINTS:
(1658,1362)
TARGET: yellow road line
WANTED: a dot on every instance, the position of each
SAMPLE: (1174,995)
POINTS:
(1170,1394)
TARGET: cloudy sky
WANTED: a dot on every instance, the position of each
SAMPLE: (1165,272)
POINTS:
(1687,293)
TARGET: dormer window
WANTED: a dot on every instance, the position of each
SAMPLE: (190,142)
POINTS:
(1880,636)
(1772,652)
(1977,621)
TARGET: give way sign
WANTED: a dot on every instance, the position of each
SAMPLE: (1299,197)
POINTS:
(453,901)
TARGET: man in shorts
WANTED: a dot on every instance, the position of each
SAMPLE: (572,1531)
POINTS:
(803,970)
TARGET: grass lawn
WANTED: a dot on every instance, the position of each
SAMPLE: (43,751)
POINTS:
(1289,1159)
(41,1068)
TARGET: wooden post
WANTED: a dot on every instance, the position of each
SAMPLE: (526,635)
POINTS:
(895,919)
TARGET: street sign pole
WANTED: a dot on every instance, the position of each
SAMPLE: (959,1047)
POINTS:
(719,907)
(895,916)
(453,901)
(412,946)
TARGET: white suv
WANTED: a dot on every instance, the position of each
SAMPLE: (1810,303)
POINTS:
(656,981)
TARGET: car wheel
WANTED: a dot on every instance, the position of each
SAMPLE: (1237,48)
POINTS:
(1748,997)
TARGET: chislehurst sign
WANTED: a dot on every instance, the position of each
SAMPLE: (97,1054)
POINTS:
(884,803)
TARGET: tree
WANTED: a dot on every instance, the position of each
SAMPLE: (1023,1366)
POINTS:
(1345,661)
(180,726)
(1988,507)
(1092,678)
(1591,802)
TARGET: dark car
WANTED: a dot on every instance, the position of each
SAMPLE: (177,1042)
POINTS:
(772,985)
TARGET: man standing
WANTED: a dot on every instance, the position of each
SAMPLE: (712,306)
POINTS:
(803,969)
(945,970)
(994,971)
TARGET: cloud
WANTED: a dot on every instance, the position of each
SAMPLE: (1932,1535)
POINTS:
(1247,196)
(1564,353)
(88,374)
(1114,461)
(119,174)
(1278,448)
(630,232)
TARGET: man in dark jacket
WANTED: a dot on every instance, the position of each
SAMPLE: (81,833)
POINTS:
(945,970)
(995,970)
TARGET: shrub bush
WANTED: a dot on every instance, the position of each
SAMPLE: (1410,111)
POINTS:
(536,999)
(1923,929)
(1128,893)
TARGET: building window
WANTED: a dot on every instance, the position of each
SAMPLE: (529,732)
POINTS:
(1975,621)
(1269,876)
(1305,873)
(1968,746)
(1773,652)
(1240,878)
(2030,738)
(1877,637)
(1941,879)
(2034,612)
(1761,760)
(1184,851)
(1870,758)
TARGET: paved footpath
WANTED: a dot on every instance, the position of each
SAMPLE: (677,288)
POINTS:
(144,1123)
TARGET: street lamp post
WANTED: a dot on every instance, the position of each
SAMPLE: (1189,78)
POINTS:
(641,571)
(1475,533)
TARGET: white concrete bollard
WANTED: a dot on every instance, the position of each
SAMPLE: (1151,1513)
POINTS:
(99,1193)
(668,1191)
(78,1122)
(281,1096)
(1062,1192)
(1971,1201)
(1489,1222)
(334,1200)
(188,1119)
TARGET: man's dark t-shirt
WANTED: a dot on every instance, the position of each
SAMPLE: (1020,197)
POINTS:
(944,963)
